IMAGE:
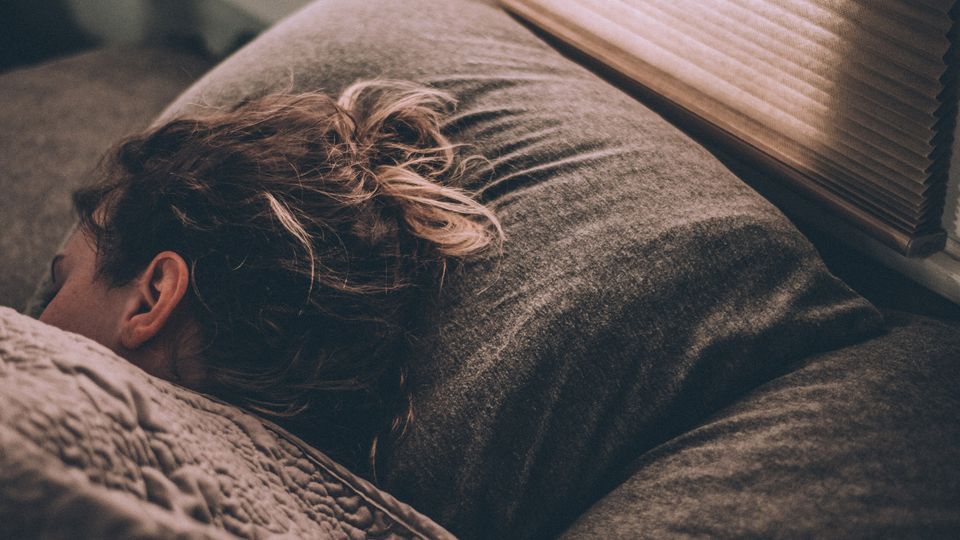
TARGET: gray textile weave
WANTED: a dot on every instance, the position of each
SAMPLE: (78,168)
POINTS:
(93,447)
(861,442)
(643,286)
(56,120)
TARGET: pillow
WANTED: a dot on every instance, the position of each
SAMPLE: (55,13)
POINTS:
(93,447)
(642,286)
(861,442)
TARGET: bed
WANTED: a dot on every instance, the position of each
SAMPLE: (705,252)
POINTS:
(658,352)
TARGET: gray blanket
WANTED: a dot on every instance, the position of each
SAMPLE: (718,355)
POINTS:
(93,447)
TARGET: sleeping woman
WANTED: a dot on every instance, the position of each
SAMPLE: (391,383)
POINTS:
(276,255)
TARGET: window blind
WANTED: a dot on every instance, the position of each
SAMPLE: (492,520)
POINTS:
(854,100)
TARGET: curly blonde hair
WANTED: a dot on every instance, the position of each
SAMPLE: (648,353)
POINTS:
(313,228)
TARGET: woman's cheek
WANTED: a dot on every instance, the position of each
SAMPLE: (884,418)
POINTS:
(58,311)
(76,312)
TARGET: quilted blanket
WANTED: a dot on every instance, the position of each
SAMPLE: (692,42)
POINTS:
(93,447)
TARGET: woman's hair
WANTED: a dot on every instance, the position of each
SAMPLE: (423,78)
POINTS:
(313,229)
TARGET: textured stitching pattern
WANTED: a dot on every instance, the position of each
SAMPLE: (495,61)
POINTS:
(91,446)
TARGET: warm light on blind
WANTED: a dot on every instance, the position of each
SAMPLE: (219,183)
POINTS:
(848,97)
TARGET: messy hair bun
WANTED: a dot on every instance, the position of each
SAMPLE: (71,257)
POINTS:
(312,227)
(412,162)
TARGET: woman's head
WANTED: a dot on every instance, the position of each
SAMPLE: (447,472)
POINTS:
(136,320)
(282,247)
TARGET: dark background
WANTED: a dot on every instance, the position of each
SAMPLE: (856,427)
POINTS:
(31,32)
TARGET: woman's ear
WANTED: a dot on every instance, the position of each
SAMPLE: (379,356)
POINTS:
(158,292)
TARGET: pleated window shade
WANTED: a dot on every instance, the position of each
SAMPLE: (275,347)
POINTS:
(852,100)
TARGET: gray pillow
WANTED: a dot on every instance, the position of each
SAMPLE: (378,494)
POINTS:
(642,287)
(861,442)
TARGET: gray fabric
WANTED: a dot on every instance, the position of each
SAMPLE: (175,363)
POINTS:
(862,442)
(93,447)
(643,286)
(55,121)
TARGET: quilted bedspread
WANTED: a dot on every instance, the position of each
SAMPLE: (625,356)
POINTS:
(91,446)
